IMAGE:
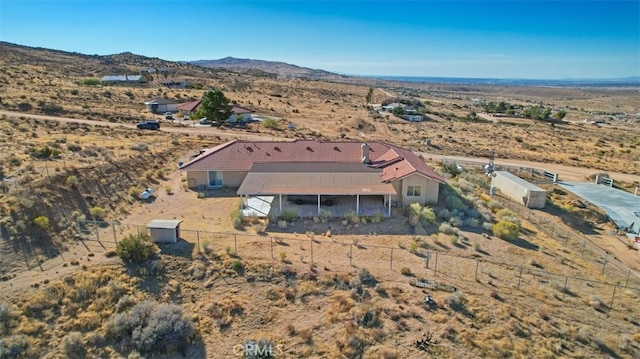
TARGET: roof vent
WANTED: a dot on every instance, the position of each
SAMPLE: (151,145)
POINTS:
(335,148)
(309,149)
(277,149)
(365,153)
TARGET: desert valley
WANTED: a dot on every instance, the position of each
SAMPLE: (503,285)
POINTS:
(475,275)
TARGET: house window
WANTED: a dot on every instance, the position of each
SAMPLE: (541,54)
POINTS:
(413,191)
(215,179)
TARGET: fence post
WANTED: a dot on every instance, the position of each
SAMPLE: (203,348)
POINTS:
(477,264)
(606,255)
(627,280)
(566,240)
(584,245)
(271,247)
(391,260)
(198,239)
(426,260)
(520,277)
(113,228)
(235,242)
(350,253)
(564,290)
(311,241)
(97,231)
(435,267)
(615,286)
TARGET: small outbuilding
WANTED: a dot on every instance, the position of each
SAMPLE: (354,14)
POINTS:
(519,190)
(164,230)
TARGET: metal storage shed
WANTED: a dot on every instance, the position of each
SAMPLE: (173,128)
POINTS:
(164,230)
(519,190)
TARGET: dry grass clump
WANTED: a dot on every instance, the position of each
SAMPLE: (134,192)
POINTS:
(224,310)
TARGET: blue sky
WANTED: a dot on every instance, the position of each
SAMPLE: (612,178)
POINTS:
(499,39)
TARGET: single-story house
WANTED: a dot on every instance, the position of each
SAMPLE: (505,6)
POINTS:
(174,83)
(378,171)
(162,105)
(237,113)
(189,108)
(412,118)
(240,114)
(115,79)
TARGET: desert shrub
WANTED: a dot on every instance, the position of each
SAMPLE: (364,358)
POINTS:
(283,257)
(367,317)
(89,81)
(289,215)
(456,222)
(446,228)
(134,192)
(72,181)
(14,346)
(454,202)
(367,278)
(505,212)
(351,217)
(237,266)
(97,212)
(150,326)
(455,301)
(406,271)
(444,214)
(270,123)
(453,239)
(487,226)
(74,147)
(476,246)
(72,345)
(494,205)
(236,222)
(41,222)
(136,248)
(506,230)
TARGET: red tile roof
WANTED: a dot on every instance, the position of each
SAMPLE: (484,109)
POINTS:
(395,162)
(240,110)
(189,106)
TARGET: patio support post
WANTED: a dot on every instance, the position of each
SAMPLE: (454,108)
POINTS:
(357,205)
(280,202)
(318,205)
(389,205)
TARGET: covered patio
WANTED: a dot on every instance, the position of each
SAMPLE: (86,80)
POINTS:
(353,186)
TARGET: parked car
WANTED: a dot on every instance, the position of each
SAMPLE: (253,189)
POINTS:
(168,116)
(311,199)
(205,121)
(149,125)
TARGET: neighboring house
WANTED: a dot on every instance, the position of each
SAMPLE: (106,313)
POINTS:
(174,83)
(351,172)
(240,114)
(189,108)
(412,118)
(120,79)
(162,105)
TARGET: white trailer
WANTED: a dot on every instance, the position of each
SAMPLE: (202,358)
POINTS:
(519,190)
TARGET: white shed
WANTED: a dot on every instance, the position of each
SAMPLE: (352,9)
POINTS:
(165,230)
(519,190)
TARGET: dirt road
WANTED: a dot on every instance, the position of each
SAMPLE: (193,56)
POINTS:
(565,172)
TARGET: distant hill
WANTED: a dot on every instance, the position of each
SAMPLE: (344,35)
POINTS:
(281,69)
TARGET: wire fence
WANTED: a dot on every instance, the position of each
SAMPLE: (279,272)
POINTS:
(333,253)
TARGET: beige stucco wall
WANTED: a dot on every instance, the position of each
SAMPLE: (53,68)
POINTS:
(233,179)
(196,178)
(428,190)
(229,179)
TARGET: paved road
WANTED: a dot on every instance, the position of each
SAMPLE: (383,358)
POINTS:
(565,172)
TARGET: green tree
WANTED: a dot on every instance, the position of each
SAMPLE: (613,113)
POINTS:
(398,111)
(370,95)
(215,106)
